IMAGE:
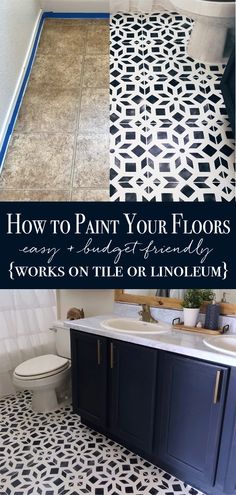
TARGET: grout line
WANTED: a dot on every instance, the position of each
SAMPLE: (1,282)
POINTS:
(54,133)
(142,81)
(64,132)
(98,187)
(77,126)
(145,95)
(214,127)
(78,115)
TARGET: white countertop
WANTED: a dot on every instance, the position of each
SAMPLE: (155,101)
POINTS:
(177,341)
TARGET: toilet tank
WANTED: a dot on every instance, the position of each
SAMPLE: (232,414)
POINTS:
(62,335)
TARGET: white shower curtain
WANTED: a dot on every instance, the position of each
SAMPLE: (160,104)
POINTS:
(135,5)
(25,318)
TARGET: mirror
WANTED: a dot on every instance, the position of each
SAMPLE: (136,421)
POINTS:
(173,293)
(172,298)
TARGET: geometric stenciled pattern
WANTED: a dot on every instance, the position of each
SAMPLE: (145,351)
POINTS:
(53,453)
(170,135)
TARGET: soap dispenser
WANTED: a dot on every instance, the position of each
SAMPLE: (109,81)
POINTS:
(212,315)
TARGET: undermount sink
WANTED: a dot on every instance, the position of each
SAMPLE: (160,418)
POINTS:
(222,343)
(131,325)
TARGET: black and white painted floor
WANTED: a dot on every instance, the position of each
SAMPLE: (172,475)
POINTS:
(170,135)
(50,454)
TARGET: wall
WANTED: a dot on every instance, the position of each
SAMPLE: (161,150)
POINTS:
(17,22)
(167,315)
(230,295)
(94,302)
(75,5)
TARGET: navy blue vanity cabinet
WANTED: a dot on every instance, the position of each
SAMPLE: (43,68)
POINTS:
(177,412)
(114,387)
(226,470)
(133,375)
(89,376)
(191,398)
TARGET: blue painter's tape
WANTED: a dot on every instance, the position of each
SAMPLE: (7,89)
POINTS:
(21,94)
(76,15)
(57,15)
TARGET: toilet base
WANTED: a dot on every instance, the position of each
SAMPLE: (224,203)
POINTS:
(45,400)
(207,42)
(48,392)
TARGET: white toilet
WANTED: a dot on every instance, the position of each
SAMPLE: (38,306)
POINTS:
(212,22)
(45,375)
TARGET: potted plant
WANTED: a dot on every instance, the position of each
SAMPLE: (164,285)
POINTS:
(207,295)
(192,302)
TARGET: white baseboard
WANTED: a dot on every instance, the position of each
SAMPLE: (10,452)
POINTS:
(18,86)
(75,5)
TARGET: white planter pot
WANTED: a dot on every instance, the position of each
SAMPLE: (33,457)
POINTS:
(191,316)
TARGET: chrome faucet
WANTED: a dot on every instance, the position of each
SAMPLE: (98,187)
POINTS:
(145,314)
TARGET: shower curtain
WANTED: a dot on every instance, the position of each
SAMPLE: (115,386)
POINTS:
(135,5)
(25,318)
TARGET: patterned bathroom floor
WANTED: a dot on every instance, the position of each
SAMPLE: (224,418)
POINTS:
(52,454)
(170,135)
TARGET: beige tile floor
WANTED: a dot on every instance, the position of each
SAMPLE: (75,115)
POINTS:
(59,150)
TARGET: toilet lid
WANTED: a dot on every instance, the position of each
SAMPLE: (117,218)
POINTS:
(41,365)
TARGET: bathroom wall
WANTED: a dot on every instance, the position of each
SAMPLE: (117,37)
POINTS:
(230,295)
(75,5)
(99,302)
(17,23)
(167,315)
(94,302)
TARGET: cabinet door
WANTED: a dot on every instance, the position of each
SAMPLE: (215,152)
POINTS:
(189,417)
(89,376)
(133,384)
(226,472)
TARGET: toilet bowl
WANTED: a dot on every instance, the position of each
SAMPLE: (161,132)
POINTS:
(45,375)
(212,19)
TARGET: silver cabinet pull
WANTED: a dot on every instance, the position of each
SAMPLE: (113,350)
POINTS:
(99,352)
(217,385)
